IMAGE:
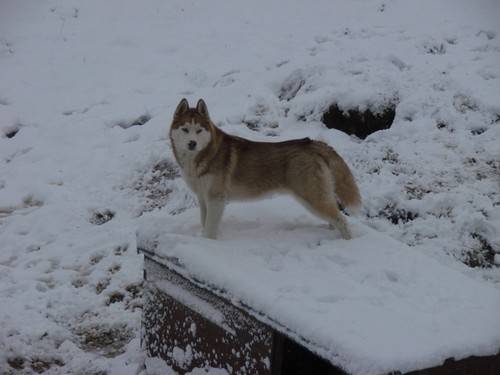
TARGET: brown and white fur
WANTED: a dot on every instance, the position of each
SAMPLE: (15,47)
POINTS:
(219,167)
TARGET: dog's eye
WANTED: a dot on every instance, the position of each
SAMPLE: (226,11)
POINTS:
(198,131)
(185,130)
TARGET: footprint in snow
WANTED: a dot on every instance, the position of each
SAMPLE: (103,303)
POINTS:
(226,79)
(281,63)
(79,282)
(100,217)
(102,285)
(138,121)
(120,249)
(391,276)
(330,299)
(96,258)
(28,205)
(487,74)
(114,268)
(320,39)
(489,34)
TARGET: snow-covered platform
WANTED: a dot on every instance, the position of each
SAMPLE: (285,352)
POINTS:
(371,305)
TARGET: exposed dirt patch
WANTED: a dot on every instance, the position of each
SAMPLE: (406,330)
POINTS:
(37,365)
(359,123)
(397,215)
(105,339)
(154,184)
(414,191)
(480,254)
(16,363)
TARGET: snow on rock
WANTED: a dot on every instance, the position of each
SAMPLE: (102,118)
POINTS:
(87,91)
(340,298)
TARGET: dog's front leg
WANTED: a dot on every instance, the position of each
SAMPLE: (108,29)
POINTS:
(203,210)
(215,208)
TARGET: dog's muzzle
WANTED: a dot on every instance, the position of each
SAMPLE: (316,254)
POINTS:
(192,145)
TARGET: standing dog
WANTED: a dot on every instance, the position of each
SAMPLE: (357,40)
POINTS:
(219,167)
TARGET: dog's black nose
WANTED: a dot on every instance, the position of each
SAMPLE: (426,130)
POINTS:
(192,145)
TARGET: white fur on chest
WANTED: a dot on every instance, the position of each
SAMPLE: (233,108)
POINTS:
(199,185)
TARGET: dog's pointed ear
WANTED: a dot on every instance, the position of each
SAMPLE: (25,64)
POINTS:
(202,109)
(182,107)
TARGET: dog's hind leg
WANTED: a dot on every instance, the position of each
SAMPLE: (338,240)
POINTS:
(318,197)
(329,211)
(215,209)
(338,221)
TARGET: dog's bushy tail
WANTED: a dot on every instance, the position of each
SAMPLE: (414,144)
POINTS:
(345,187)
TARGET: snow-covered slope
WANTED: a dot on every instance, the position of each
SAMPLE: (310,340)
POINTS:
(77,80)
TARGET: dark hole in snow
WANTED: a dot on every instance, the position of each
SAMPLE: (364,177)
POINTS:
(139,121)
(12,132)
(359,123)
(101,217)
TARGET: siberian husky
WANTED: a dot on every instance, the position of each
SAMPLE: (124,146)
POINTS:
(220,167)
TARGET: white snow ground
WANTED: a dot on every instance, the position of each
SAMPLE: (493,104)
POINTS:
(75,77)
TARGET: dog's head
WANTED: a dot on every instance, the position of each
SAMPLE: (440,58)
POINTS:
(191,128)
